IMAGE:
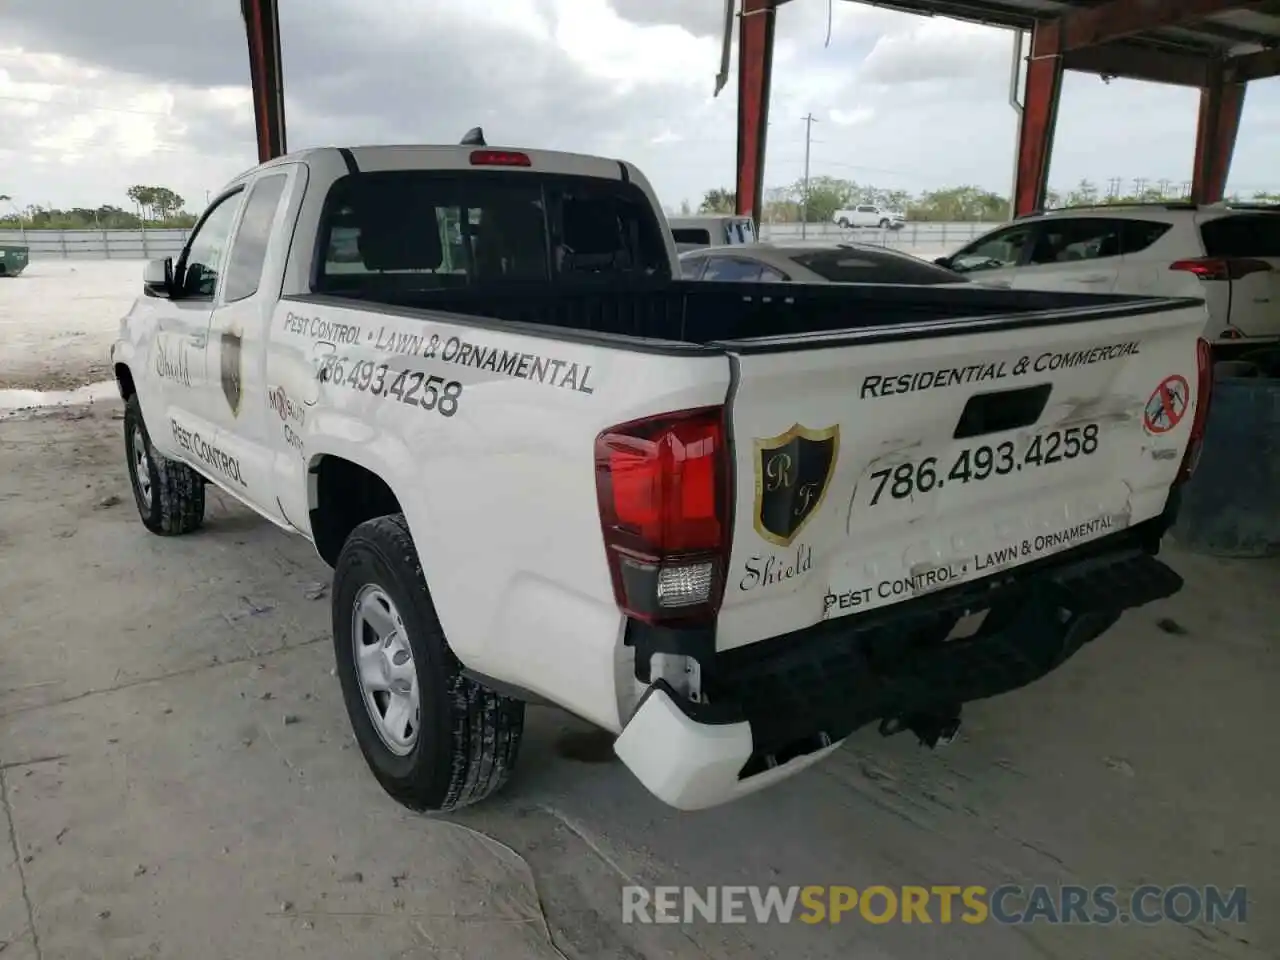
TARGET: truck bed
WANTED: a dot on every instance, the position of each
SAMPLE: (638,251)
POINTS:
(697,312)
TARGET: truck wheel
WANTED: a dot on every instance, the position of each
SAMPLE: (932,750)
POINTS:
(169,494)
(844,222)
(434,738)
(884,224)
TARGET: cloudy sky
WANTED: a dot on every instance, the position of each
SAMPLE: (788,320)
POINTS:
(96,95)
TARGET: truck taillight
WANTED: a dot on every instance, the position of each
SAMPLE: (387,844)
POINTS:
(1204,390)
(663,485)
(1220,268)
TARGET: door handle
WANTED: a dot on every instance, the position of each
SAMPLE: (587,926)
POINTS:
(199,340)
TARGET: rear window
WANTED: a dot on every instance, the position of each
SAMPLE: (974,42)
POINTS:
(424,230)
(692,235)
(1242,235)
(874,266)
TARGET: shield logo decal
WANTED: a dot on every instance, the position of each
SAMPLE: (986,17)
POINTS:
(793,471)
(229,349)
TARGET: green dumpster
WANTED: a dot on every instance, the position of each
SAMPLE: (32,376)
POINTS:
(13,260)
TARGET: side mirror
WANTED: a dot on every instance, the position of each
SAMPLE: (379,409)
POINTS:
(944,262)
(157,278)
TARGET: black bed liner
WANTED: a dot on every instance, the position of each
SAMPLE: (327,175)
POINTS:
(699,312)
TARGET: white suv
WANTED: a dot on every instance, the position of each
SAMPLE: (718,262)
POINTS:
(1227,254)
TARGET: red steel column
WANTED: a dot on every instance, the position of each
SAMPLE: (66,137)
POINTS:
(1039,118)
(755,70)
(262,26)
(1221,104)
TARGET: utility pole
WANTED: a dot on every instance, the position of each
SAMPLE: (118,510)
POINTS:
(804,211)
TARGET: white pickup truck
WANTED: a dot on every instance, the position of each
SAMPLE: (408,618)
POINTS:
(870,215)
(729,523)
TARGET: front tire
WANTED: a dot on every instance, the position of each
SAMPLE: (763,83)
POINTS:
(169,494)
(885,224)
(435,739)
(844,222)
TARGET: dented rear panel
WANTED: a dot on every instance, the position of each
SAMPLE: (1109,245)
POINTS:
(880,469)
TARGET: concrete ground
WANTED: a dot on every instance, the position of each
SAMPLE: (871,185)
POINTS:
(178,780)
(57,321)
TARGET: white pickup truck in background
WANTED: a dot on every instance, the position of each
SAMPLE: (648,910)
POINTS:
(730,523)
(870,215)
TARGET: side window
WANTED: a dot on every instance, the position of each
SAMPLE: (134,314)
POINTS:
(203,255)
(691,267)
(995,251)
(732,269)
(770,275)
(1137,235)
(693,236)
(866,209)
(1067,240)
(249,249)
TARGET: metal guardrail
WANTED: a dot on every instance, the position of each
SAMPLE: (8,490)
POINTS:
(98,244)
(153,244)
(929,236)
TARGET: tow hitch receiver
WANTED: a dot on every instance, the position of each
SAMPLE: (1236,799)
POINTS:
(934,729)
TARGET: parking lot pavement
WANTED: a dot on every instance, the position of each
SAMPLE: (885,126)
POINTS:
(57,321)
(179,781)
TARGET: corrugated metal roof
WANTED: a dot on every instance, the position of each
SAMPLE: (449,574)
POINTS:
(1174,54)
(1224,34)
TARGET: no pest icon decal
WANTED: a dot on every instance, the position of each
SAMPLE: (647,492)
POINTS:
(1167,405)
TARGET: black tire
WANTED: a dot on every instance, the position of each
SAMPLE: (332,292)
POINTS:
(844,222)
(175,504)
(468,736)
(885,224)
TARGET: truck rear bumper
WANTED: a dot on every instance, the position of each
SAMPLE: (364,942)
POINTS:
(776,707)
(690,763)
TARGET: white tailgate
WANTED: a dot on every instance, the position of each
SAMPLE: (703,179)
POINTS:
(852,492)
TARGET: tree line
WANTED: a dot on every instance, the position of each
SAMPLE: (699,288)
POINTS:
(153,207)
(963,204)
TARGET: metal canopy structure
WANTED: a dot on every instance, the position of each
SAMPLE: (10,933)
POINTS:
(266,71)
(1218,46)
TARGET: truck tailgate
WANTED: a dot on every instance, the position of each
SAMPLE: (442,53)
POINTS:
(879,465)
